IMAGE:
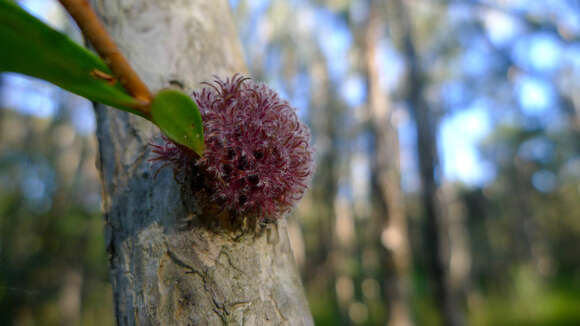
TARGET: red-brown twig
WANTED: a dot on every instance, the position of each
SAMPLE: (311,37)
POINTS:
(97,35)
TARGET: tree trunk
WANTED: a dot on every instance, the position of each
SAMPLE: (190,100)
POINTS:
(166,267)
(386,176)
(436,235)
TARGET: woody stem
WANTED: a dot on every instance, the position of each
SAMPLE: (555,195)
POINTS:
(94,30)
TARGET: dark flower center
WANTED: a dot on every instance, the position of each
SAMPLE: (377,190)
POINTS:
(253,179)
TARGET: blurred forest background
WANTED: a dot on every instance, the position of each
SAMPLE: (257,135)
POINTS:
(447,144)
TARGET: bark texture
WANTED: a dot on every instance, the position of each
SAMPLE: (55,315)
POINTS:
(166,267)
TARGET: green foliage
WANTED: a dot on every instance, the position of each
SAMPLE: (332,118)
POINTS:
(32,48)
(178,116)
(529,303)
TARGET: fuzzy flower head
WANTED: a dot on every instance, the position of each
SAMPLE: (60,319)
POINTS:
(258,160)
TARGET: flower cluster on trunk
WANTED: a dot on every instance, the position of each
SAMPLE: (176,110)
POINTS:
(258,159)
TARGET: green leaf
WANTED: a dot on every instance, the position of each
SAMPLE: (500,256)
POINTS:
(178,117)
(32,48)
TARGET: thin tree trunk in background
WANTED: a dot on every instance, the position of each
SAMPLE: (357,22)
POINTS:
(386,175)
(164,274)
(2,108)
(71,296)
(325,186)
(459,261)
(529,245)
(436,243)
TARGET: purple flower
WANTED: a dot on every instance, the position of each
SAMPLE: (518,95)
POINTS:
(257,161)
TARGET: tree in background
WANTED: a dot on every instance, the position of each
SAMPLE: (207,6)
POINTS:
(52,258)
(386,180)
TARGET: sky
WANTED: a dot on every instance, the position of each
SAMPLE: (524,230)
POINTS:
(459,132)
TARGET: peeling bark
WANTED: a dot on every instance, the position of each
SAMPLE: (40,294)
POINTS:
(167,268)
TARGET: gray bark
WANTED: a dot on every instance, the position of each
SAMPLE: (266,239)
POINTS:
(167,268)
